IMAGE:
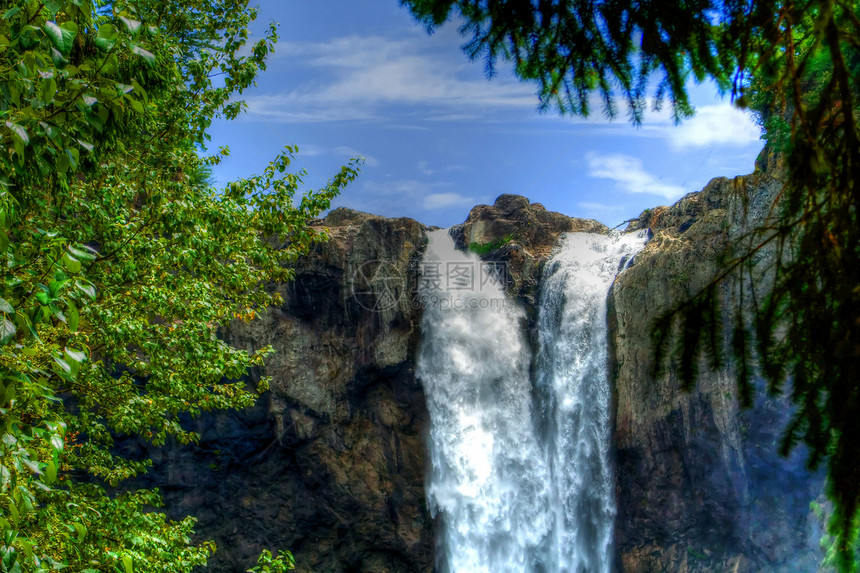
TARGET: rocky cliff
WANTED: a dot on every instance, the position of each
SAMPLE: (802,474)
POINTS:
(699,483)
(331,463)
(521,235)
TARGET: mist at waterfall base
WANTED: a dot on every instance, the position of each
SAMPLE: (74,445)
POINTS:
(520,472)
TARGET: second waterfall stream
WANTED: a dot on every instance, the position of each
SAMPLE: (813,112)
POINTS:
(520,470)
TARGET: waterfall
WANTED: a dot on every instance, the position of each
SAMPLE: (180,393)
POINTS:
(520,470)
(573,382)
(488,478)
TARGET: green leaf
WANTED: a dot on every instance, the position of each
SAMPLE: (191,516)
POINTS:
(19,132)
(6,307)
(62,36)
(58,58)
(24,324)
(51,471)
(19,149)
(64,366)
(5,478)
(15,515)
(63,163)
(73,156)
(133,26)
(42,486)
(86,288)
(72,264)
(106,37)
(50,130)
(54,6)
(9,394)
(147,56)
(7,331)
(54,287)
(11,12)
(28,37)
(135,105)
(72,316)
(31,465)
(82,531)
(75,355)
(47,93)
(127,564)
(83,252)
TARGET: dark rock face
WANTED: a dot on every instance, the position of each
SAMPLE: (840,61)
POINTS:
(330,464)
(699,482)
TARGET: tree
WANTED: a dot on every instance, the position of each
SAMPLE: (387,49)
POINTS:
(798,63)
(120,264)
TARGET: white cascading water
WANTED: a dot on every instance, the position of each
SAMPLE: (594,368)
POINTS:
(572,379)
(520,471)
(487,480)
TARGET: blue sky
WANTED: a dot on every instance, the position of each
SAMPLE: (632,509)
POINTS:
(362,79)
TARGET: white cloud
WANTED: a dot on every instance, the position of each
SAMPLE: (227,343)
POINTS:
(443,200)
(612,215)
(405,197)
(408,189)
(287,109)
(629,175)
(424,168)
(346,51)
(351,152)
(310,149)
(357,78)
(721,124)
(405,127)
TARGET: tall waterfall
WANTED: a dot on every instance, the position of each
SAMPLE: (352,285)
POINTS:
(520,471)
(573,383)
(488,478)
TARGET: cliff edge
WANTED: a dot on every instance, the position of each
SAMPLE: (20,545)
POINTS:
(700,484)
